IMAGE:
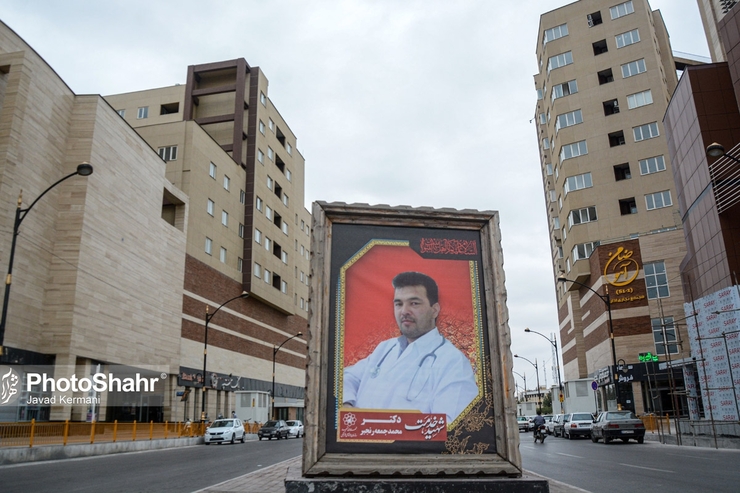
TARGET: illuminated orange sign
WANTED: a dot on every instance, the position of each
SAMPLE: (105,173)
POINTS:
(621,269)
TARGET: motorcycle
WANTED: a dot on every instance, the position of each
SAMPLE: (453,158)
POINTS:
(540,434)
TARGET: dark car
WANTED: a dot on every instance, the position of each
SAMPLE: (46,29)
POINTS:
(274,429)
(621,425)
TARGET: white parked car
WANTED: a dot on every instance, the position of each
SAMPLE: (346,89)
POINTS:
(225,430)
(556,420)
(295,428)
(577,424)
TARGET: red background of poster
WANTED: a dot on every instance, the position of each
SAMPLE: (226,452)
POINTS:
(369,317)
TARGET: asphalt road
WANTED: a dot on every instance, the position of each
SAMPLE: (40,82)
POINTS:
(620,467)
(182,469)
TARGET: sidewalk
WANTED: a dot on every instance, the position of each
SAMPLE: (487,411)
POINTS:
(272,480)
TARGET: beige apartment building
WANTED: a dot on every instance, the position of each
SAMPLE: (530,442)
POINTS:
(196,198)
(712,12)
(606,76)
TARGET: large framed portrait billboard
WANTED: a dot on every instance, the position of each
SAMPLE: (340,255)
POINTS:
(409,369)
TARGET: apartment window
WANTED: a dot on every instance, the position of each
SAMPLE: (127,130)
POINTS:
(276,280)
(225,218)
(278,190)
(578,182)
(564,89)
(209,245)
(267,276)
(573,150)
(268,244)
(271,124)
(628,38)
(554,33)
(605,76)
(645,132)
(540,94)
(222,255)
(627,206)
(239,264)
(142,112)
(616,139)
(545,143)
(121,113)
(560,251)
(258,236)
(568,119)
(284,256)
(594,19)
(302,302)
(621,10)
(270,183)
(288,175)
(284,287)
(259,204)
(560,60)
(227,182)
(543,119)
(302,250)
(580,216)
(548,169)
(289,148)
(639,99)
(257,270)
(556,222)
(268,212)
(278,220)
(210,206)
(285,227)
(622,172)
(285,200)
(658,200)
(263,98)
(241,230)
(168,153)
(633,68)
(212,171)
(656,280)
(599,47)
(262,127)
(553,196)
(277,250)
(584,250)
(652,165)
(260,156)
(664,335)
(270,154)
(242,197)
(610,107)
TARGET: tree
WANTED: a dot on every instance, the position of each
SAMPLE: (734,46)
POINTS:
(547,404)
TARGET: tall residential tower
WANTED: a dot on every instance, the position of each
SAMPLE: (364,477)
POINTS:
(606,77)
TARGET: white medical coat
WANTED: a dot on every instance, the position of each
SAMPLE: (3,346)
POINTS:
(429,375)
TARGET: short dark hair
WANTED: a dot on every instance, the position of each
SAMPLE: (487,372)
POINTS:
(407,279)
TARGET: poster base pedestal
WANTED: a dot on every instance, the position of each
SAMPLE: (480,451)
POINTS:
(295,483)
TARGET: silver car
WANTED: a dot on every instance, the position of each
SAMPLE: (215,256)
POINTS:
(577,424)
(621,425)
(295,428)
(224,430)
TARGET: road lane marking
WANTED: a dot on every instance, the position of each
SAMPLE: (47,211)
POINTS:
(648,468)
(568,455)
(691,456)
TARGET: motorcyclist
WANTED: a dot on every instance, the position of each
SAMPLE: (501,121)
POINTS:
(538,421)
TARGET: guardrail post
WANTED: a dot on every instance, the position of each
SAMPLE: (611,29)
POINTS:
(115,429)
(134,432)
(33,429)
(92,431)
(151,429)
(66,431)
(166,423)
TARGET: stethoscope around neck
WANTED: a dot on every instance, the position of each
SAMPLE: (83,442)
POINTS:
(417,384)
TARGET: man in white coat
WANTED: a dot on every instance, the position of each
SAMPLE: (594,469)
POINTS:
(420,370)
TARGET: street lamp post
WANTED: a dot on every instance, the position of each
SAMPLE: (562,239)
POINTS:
(557,365)
(523,377)
(209,316)
(537,372)
(83,169)
(607,301)
(274,355)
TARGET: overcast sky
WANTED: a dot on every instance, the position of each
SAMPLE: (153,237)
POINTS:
(421,103)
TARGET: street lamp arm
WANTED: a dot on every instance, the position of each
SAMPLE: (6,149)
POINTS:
(209,316)
(84,169)
(274,357)
(604,298)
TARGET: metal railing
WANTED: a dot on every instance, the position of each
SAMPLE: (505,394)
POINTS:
(30,433)
(657,423)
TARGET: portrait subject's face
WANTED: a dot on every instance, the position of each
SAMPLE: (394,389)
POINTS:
(414,315)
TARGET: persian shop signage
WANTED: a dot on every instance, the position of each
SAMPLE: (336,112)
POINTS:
(620,270)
